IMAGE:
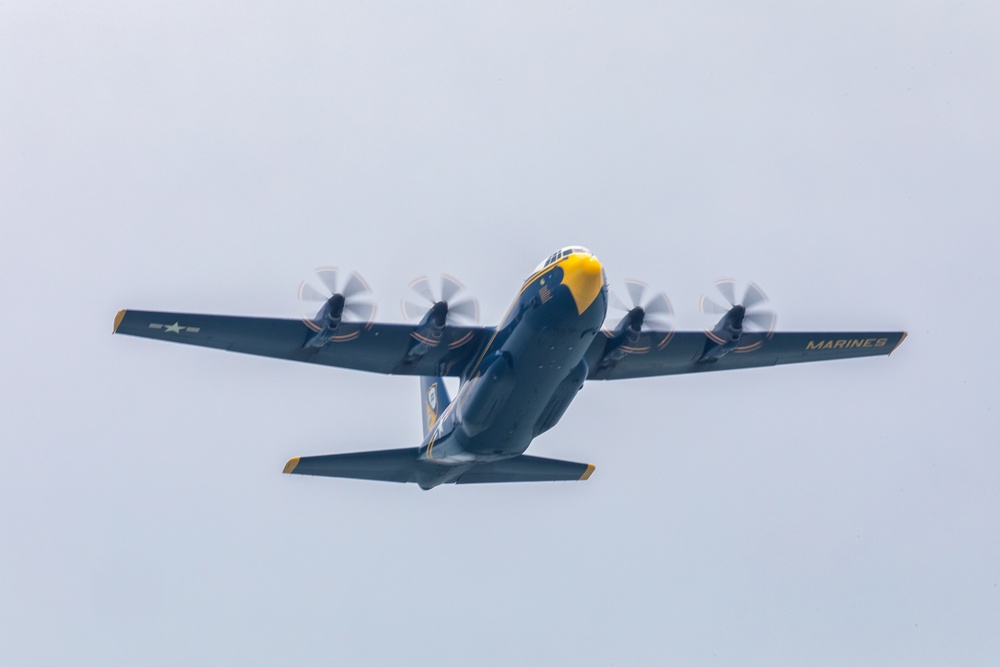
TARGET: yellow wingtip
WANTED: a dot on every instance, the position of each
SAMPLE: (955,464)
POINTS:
(902,338)
(290,466)
(118,320)
(588,472)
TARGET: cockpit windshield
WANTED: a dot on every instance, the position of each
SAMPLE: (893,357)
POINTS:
(565,252)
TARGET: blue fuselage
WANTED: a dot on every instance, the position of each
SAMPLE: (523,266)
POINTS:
(526,375)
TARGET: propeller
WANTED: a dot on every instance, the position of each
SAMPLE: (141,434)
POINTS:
(645,311)
(755,306)
(342,295)
(446,297)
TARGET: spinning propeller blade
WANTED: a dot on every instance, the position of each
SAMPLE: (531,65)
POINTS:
(353,298)
(650,309)
(758,315)
(459,308)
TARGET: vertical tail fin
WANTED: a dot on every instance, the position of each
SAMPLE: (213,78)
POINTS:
(434,400)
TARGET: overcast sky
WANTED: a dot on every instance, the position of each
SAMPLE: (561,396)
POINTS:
(205,157)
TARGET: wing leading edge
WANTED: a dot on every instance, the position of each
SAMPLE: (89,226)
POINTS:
(684,350)
(378,348)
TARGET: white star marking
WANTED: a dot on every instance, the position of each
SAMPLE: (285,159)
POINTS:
(173,328)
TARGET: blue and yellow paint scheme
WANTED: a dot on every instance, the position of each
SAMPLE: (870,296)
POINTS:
(516,379)
(525,376)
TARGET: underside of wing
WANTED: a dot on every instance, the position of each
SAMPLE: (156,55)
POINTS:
(696,351)
(379,348)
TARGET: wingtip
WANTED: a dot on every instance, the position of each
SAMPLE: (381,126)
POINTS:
(290,466)
(587,473)
(118,320)
(901,339)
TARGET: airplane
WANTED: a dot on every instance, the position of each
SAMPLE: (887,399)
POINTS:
(517,379)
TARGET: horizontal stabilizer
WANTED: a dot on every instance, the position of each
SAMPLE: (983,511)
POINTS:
(387,465)
(403,465)
(526,469)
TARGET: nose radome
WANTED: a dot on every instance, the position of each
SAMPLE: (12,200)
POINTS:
(584,276)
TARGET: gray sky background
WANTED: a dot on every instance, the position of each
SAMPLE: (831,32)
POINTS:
(205,157)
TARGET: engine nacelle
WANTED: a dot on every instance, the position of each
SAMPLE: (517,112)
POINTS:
(726,335)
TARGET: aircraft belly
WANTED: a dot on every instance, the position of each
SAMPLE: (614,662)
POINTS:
(541,358)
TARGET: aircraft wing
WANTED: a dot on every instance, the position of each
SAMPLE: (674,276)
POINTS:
(379,348)
(683,352)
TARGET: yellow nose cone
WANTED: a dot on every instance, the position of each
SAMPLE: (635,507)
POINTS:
(584,276)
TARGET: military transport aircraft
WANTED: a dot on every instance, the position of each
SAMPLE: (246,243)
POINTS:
(516,379)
